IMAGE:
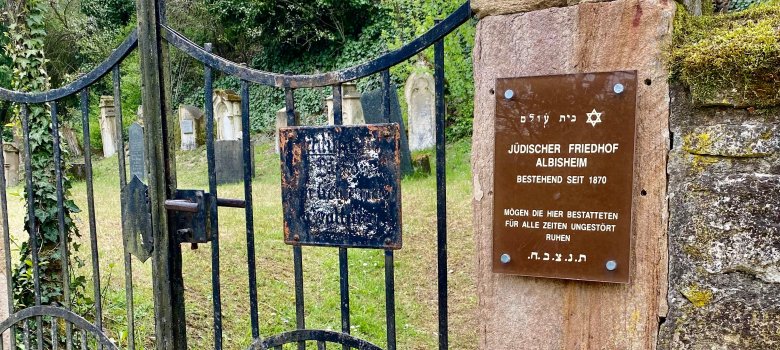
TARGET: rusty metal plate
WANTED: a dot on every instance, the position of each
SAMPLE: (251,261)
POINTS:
(341,186)
(564,169)
(137,219)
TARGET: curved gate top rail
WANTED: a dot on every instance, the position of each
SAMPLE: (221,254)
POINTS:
(82,82)
(179,41)
(390,59)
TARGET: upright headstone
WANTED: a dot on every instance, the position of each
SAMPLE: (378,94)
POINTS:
(421,100)
(137,152)
(351,108)
(192,127)
(281,122)
(227,115)
(108,125)
(11,158)
(230,161)
(373,107)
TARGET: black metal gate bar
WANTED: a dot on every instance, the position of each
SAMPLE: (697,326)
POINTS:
(168,284)
(26,334)
(344,287)
(31,219)
(122,183)
(389,255)
(211,164)
(441,193)
(91,208)
(338,119)
(55,131)
(6,228)
(54,342)
(300,310)
(250,221)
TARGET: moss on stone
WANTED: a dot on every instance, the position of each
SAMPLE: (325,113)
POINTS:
(733,58)
(698,296)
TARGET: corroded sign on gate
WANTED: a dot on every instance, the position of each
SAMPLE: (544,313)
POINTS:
(564,166)
(341,186)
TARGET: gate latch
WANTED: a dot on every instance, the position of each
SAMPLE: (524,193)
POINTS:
(190,212)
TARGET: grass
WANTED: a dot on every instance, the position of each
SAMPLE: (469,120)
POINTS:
(415,264)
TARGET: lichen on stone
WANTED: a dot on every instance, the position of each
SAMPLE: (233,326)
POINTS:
(697,295)
(729,59)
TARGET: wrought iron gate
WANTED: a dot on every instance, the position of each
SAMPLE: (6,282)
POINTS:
(177,216)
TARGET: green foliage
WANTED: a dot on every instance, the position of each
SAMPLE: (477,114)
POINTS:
(735,53)
(291,26)
(26,33)
(109,14)
(385,25)
(412,19)
(330,55)
(5,61)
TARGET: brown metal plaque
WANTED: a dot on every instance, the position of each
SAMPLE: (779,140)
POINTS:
(564,169)
(341,186)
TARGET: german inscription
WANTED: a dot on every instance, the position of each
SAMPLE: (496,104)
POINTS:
(564,160)
(341,186)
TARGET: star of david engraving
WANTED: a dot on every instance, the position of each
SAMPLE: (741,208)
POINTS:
(594,118)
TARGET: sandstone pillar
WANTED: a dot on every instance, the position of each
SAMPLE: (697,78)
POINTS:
(533,313)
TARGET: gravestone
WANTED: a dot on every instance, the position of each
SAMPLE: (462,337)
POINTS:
(137,152)
(108,132)
(281,122)
(227,115)
(421,100)
(351,107)
(373,107)
(192,127)
(11,158)
(230,161)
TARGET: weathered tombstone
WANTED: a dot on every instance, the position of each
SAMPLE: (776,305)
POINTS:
(229,157)
(373,107)
(192,127)
(281,122)
(108,125)
(137,152)
(11,157)
(351,107)
(227,115)
(421,100)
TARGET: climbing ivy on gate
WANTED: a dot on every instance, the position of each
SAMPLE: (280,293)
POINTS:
(25,48)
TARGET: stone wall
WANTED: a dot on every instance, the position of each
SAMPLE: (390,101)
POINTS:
(724,228)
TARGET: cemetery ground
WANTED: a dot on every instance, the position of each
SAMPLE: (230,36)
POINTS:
(415,264)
